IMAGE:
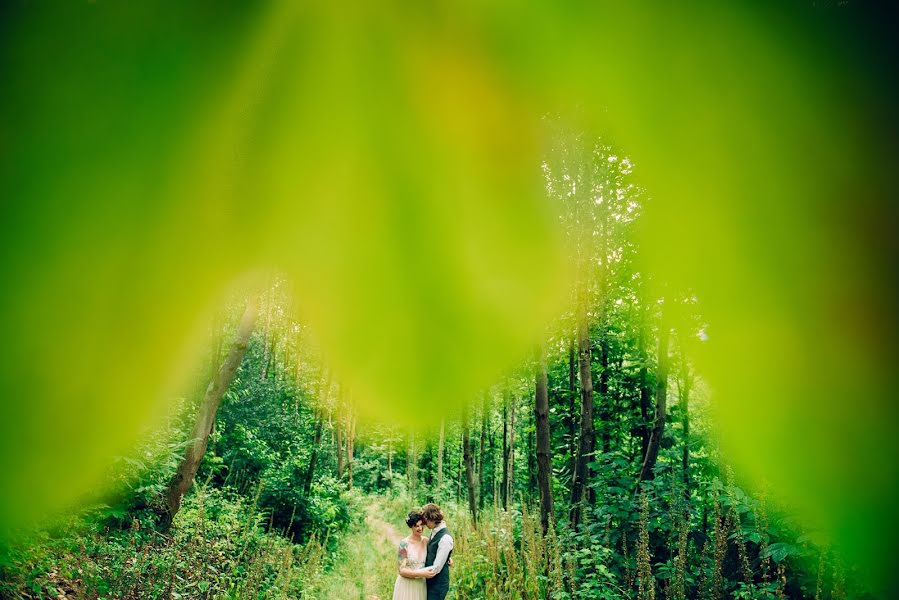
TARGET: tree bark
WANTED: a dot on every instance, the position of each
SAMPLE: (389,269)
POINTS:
(587,436)
(440,455)
(572,414)
(658,428)
(187,469)
(511,491)
(266,334)
(482,491)
(605,413)
(645,394)
(350,441)
(322,395)
(505,480)
(544,466)
(469,468)
(686,384)
(532,463)
(338,434)
(411,464)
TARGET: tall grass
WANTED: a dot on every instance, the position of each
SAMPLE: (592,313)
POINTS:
(218,547)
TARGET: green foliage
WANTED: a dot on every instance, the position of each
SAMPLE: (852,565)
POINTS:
(216,549)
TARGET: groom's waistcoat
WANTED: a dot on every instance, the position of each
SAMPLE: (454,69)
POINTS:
(441,580)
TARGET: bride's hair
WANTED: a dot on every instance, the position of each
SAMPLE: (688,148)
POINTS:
(413,518)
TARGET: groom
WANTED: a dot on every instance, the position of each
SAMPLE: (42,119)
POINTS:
(439,550)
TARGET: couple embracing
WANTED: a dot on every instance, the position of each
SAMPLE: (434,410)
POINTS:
(424,563)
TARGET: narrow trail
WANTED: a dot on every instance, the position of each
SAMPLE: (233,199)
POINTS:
(384,529)
(370,568)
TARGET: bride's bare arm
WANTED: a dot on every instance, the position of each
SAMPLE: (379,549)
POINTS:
(402,560)
(425,573)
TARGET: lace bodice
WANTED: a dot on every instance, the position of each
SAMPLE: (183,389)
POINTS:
(410,555)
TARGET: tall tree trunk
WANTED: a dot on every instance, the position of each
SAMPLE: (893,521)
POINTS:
(658,427)
(440,454)
(469,468)
(460,472)
(313,459)
(544,467)
(510,493)
(187,469)
(645,393)
(322,394)
(482,491)
(267,334)
(505,481)
(412,464)
(338,432)
(350,441)
(684,387)
(572,414)
(587,436)
(532,463)
(605,413)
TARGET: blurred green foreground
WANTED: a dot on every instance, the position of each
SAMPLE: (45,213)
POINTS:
(386,158)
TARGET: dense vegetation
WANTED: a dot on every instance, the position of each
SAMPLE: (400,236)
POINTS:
(590,471)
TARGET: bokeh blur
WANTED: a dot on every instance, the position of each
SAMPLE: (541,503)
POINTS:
(386,158)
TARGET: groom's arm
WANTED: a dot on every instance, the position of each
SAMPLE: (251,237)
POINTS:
(444,546)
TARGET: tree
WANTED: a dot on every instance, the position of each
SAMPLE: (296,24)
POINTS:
(482,489)
(587,436)
(187,468)
(541,418)
(440,454)
(323,393)
(469,468)
(505,480)
(661,393)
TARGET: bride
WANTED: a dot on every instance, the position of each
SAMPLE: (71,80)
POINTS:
(410,583)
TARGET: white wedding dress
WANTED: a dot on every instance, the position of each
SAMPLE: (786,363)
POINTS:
(406,588)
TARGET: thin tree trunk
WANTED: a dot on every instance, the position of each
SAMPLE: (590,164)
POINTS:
(684,388)
(645,394)
(266,334)
(187,469)
(605,412)
(412,465)
(544,467)
(572,414)
(587,436)
(460,472)
(482,454)
(338,433)
(510,492)
(505,481)
(469,468)
(313,459)
(322,395)
(350,441)
(440,455)
(532,463)
(658,428)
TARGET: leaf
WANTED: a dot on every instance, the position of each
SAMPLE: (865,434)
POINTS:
(779,551)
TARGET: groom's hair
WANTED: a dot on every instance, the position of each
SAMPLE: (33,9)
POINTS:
(413,518)
(431,512)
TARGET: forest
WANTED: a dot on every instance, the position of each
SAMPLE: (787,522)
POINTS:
(612,284)
(590,470)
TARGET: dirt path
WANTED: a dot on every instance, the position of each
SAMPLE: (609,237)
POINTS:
(383,528)
(369,569)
